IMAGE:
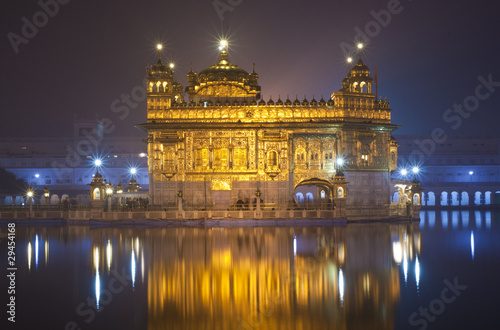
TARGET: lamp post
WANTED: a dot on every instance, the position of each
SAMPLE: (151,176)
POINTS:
(179,200)
(257,194)
(109,193)
(46,194)
(30,193)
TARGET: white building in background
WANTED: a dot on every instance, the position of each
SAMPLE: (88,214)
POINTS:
(464,170)
(66,165)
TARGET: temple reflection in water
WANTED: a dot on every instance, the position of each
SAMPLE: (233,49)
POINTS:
(246,278)
(359,276)
(269,278)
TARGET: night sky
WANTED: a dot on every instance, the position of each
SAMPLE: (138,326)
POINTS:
(81,60)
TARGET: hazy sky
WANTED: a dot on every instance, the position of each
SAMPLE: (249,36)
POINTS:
(84,55)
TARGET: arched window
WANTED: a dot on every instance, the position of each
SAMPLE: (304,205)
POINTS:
(221,157)
(362,87)
(309,197)
(272,158)
(240,158)
(202,157)
(315,157)
(340,192)
(300,157)
(299,197)
(97,193)
(416,199)
(323,194)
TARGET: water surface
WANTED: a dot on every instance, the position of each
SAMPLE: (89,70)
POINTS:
(387,275)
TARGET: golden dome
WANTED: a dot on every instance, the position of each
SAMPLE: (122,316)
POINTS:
(223,69)
(360,69)
(223,80)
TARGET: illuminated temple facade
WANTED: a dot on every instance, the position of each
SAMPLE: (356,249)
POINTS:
(217,141)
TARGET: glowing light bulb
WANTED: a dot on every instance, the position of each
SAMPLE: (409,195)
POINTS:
(223,43)
(172,65)
(159,46)
(415,170)
(360,45)
(133,170)
(349,59)
(97,162)
(404,171)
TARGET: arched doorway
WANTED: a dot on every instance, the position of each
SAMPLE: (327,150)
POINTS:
(299,197)
(54,200)
(444,198)
(487,198)
(465,198)
(395,197)
(317,193)
(416,199)
(454,198)
(477,198)
(431,199)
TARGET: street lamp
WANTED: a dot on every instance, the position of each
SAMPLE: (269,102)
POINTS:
(109,193)
(30,193)
(46,194)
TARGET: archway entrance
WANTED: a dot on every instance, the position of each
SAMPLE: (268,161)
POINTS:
(314,193)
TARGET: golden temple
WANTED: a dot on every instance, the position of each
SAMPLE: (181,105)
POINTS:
(222,143)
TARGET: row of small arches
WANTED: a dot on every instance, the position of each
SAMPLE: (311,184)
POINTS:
(455,198)
(309,197)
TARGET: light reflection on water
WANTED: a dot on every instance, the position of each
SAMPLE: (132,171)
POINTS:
(358,276)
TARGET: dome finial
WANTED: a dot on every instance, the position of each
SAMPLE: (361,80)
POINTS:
(360,47)
(223,47)
(159,48)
